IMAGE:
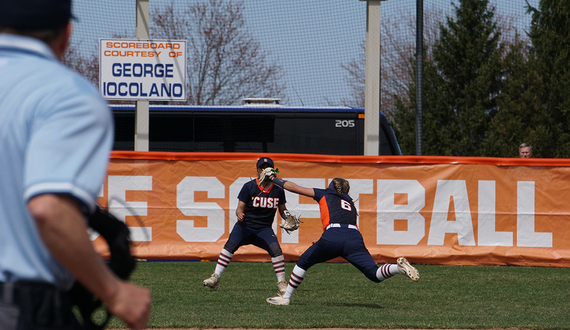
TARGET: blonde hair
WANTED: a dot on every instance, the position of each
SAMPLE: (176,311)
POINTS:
(341,185)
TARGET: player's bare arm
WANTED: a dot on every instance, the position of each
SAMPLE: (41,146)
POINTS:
(282,208)
(240,211)
(293,187)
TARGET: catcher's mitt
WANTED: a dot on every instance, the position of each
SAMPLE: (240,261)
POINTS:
(265,176)
(290,222)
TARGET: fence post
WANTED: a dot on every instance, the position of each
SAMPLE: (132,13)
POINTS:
(142,108)
(372,88)
(419,74)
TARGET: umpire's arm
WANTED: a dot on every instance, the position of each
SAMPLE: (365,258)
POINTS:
(63,229)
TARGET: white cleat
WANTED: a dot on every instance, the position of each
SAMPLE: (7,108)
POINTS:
(213,282)
(282,285)
(278,300)
(407,269)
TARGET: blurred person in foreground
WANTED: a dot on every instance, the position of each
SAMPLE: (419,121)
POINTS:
(341,238)
(56,133)
(525,150)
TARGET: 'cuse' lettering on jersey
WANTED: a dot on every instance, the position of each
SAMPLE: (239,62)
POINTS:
(265,202)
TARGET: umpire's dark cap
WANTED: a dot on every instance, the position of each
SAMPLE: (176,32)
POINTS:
(264,160)
(33,15)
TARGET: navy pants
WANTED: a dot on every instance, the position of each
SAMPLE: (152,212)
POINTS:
(341,242)
(35,306)
(264,238)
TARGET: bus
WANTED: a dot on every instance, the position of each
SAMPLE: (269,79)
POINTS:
(267,128)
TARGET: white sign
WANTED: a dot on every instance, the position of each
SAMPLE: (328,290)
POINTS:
(132,69)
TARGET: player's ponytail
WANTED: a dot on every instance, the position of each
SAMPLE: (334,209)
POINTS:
(341,185)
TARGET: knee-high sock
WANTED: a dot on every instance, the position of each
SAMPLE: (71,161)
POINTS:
(223,261)
(386,271)
(279,267)
(297,277)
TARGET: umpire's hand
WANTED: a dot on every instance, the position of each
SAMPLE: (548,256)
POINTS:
(131,303)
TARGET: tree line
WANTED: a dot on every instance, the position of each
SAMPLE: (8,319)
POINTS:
(484,95)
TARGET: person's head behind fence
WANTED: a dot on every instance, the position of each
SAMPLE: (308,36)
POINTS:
(525,150)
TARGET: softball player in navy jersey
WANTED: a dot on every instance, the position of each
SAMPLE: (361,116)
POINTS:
(340,238)
(255,213)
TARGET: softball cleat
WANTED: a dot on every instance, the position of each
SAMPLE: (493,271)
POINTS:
(278,300)
(213,282)
(407,269)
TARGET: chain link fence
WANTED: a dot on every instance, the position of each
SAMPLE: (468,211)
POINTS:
(317,47)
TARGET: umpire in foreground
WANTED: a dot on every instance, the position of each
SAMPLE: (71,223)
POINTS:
(56,133)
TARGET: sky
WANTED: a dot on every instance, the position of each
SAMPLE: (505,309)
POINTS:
(310,39)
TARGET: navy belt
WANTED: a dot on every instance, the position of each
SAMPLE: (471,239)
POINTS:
(341,225)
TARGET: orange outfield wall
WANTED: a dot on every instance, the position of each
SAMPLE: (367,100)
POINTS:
(433,210)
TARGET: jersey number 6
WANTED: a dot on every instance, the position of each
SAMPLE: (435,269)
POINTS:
(345,205)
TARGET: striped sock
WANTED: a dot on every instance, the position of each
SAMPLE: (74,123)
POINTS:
(297,277)
(279,267)
(386,271)
(223,261)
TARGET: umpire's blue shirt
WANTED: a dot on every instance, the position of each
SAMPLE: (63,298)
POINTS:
(56,133)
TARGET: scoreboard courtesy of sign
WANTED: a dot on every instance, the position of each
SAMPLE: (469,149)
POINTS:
(153,70)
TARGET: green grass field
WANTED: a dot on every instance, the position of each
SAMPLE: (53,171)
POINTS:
(337,295)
